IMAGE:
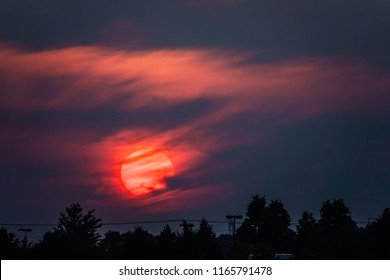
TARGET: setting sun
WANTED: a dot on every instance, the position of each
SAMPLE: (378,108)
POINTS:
(145,171)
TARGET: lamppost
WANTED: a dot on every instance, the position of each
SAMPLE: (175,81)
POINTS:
(25,230)
(188,240)
(24,243)
(232,220)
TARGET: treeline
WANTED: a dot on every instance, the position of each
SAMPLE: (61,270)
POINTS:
(264,233)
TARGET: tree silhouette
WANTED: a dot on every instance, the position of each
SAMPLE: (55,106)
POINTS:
(50,247)
(276,229)
(208,246)
(111,246)
(8,244)
(186,242)
(307,236)
(167,244)
(139,244)
(256,210)
(264,232)
(75,236)
(255,218)
(25,248)
(335,215)
(339,231)
(266,228)
(378,236)
(167,236)
(74,223)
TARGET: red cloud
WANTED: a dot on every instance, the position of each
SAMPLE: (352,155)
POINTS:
(86,77)
(90,77)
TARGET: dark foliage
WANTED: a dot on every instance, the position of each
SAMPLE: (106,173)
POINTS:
(75,236)
(9,245)
(167,245)
(208,247)
(186,242)
(338,231)
(265,232)
(139,244)
(378,237)
(112,245)
(307,237)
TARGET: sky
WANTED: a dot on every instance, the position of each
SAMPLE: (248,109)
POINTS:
(233,98)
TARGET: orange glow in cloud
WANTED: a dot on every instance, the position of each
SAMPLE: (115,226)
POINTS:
(145,171)
(89,77)
(140,176)
(92,77)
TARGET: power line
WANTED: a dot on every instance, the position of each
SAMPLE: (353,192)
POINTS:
(162,221)
(118,223)
(134,223)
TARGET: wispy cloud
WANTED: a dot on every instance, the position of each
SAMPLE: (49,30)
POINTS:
(89,77)
(95,78)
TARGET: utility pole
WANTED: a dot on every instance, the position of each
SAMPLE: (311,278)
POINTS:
(25,230)
(24,242)
(232,220)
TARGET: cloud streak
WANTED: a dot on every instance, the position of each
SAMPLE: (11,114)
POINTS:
(94,78)
(89,77)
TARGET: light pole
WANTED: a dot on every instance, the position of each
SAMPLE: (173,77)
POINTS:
(25,230)
(24,242)
(232,219)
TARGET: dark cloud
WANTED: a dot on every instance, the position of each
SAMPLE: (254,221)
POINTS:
(293,28)
(333,156)
(282,98)
(107,120)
